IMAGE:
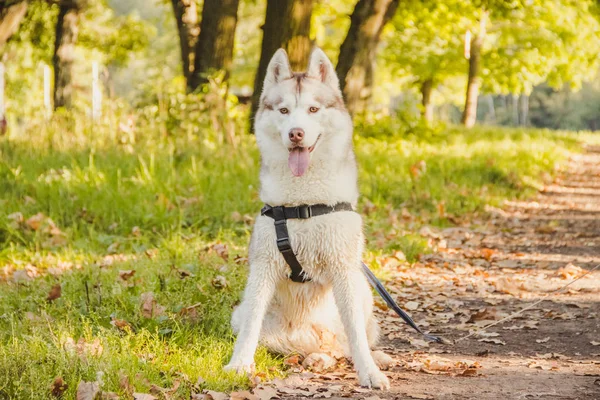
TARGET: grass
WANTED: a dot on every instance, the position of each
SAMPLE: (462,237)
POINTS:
(158,206)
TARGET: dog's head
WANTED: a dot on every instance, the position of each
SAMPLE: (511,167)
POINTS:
(302,115)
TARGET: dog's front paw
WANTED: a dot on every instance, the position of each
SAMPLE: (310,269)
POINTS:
(240,368)
(374,379)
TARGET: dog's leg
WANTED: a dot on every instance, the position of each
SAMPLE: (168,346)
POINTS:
(349,287)
(258,294)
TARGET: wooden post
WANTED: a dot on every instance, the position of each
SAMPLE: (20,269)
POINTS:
(96,93)
(47,92)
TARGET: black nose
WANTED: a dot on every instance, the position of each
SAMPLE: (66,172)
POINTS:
(296,135)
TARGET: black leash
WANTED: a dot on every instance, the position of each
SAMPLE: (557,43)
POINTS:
(281,214)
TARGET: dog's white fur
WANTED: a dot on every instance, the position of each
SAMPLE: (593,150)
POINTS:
(337,302)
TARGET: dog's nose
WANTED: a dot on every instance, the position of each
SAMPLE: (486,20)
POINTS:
(296,135)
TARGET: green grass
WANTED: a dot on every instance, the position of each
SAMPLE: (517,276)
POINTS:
(158,205)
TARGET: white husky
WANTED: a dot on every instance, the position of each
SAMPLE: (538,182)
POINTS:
(304,134)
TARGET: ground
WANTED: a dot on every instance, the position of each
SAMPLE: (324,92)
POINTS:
(482,272)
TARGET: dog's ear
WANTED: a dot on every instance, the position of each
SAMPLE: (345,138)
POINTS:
(321,68)
(278,70)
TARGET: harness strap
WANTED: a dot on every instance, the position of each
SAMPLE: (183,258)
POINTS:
(281,214)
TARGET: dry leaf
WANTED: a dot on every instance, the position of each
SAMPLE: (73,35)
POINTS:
(126,274)
(221,250)
(55,292)
(144,396)
(544,340)
(149,307)
(243,395)
(595,343)
(59,386)
(216,395)
(219,282)
(88,391)
(125,383)
(121,324)
(494,341)
(265,392)
(411,305)
(318,362)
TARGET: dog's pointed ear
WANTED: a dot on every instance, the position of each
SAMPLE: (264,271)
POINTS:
(278,70)
(320,67)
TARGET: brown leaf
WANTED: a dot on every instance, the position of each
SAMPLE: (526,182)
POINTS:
(35,222)
(55,292)
(126,274)
(121,324)
(110,396)
(58,386)
(243,395)
(144,396)
(221,250)
(125,383)
(318,362)
(219,282)
(149,307)
(88,391)
(292,361)
(265,392)
(216,395)
(487,253)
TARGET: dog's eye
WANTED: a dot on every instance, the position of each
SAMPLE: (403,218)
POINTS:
(284,110)
(313,110)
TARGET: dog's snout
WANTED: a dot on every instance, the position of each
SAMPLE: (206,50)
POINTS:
(296,135)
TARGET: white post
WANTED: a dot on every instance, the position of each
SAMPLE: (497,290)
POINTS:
(2,105)
(47,101)
(96,93)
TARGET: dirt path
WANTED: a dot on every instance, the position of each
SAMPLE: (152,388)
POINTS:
(482,273)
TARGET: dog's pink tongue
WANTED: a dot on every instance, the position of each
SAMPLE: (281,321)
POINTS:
(298,161)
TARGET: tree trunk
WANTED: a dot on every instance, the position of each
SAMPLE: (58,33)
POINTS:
(523,110)
(186,15)
(474,82)
(514,101)
(357,54)
(10,19)
(214,50)
(287,25)
(64,54)
(426,90)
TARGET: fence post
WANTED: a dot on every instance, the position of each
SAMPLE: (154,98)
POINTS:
(47,94)
(96,93)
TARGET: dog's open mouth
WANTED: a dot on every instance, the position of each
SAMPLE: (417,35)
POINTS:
(299,158)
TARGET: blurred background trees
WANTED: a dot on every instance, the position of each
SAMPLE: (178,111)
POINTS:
(507,62)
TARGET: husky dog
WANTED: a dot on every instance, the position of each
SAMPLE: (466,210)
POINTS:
(304,134)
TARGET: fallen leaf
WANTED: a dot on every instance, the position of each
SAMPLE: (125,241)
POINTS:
(35,222)
(318,362)
(265,392)
(125,383)
(126,274)
(595,343)
(544,340)
(216,395)
(143,396)
(88,391)
(59,386)
(149,307)
(243,395)
(221,250)
(219,282)
(121,324)
(55,292)
(412,305)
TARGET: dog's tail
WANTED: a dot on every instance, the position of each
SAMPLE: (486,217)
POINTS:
(387,297)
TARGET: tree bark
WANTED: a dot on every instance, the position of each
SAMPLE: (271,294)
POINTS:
(10,19)
(214,49)
(469,116)
(287,25)
(357,54)
(523,110)
(64,53)
(186,15)
(426,91)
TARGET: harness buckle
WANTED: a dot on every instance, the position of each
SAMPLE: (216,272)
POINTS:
(304,212)
(283,244)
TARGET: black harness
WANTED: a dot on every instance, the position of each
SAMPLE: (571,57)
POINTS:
(281,214)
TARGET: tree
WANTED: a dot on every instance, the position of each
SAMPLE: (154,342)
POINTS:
(287,25)
(64,52)
(214,49)
(426,44)
(469,115)
(206,47)
(357,54)
(186,15)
